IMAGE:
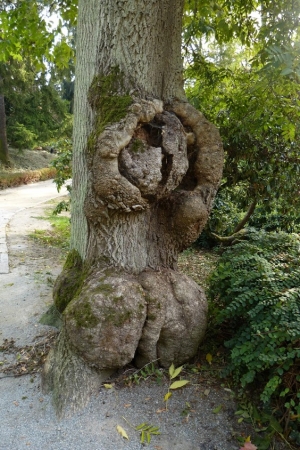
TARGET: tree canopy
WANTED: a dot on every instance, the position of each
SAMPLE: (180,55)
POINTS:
(242,70)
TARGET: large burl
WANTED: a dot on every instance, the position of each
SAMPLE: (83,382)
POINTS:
(154,177)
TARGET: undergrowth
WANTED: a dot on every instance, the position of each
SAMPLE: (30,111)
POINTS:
(14,179)
(255,291)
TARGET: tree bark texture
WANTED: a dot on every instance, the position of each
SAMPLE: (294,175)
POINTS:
(147,166)
(4,158)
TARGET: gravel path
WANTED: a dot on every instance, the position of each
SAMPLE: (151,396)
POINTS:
(199,417)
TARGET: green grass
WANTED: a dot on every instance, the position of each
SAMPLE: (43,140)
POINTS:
(58,235)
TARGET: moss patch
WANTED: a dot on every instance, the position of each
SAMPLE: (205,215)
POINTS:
(70,281)
(52,317)
(105,289)
(84,316)
(117,318)
(109,99)
(152,301)
(137,145)
(73,260)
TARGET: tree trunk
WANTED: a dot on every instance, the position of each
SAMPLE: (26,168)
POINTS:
(4,158)
(246,217)
(146,169)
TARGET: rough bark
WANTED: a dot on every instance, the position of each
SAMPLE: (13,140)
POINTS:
(72,385)
(146,169)
(4,158)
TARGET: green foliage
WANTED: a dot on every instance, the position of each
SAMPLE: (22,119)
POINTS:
(40,110)
(278,219)
(63,162)
(146,432)
(31,43)
(261,25)
(63,167)
(27,32)
(58,235)
(242,72)
(225,215)
(259,126)
(257,115)
(14,179)
(257,288)
(23,30)
(263,422)
(174,373)
(20,136)
(33,105)
(148,371)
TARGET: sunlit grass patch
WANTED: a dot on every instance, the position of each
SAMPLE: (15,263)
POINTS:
(59,233)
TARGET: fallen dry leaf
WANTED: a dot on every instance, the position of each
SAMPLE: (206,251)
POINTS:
(248,446)
(209,358)
(122,432)
(159,411)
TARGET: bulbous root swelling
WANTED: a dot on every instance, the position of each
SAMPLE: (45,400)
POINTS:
(154,176)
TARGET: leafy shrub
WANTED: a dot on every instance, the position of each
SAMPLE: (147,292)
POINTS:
(20,137)
(63,167)
(257,287)
(63,162)
(224,217)
(276,219)
(14,179)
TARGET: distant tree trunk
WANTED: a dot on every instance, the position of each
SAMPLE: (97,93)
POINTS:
(239,232)
(246,217)
(146,169)
(4,158)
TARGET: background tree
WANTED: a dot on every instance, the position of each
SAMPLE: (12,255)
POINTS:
(26,36)
(35,110)
(4,159)
(145,171)
(249,86)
